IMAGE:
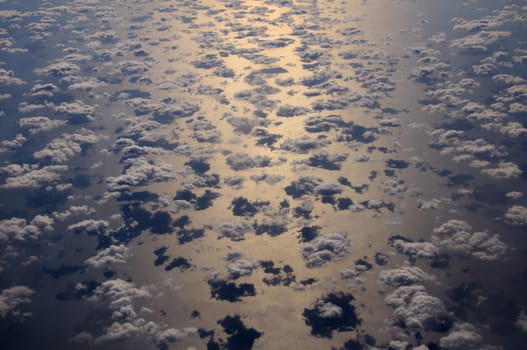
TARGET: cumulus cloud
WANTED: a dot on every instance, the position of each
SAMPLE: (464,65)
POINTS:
(59,150)
(77,109)
(89,84)
(59,69)
(456,236)
(323,123)
(74,210)
(31,176)
(516,216)
(239,266)
(305,185)
(139,172)
(114,254)
(514,195)
(413,249)
(127,322)
(169,110)
(324,248)
(480,41)
(43,90)
(11,145)
(418,310)
(303,144)
(18,229)
(89,226)
(393,187)
(11,298)
(504,170)
(39,124)
(131,67)
(403,276)
(462,336)
(431,204)
(7,77)
(235,230)
(240,161)
(267,178)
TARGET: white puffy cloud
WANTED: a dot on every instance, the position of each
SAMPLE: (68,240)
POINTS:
(240,161)
(241,267)
(30,176)
(39,124)
(86,85)
(131,67)
(514,195)
(139,172)
(11,145)
(74,210)
(480,41)
(11,298)
(126,321)
(517,108)
(415,249)
(324,248)
(477,152)
(76,108)
(463,336)
(7,77)
(170,110)
(403,276)
(128,148)
(513,129)
(89,226)
(516,216)
(234,181)
(62,148)
(114,254)
(46,90)
(235,230)
(393,187)
(431,204)
(329,310)
(18,229)
(504,170)
(59,69)
(507,79)
(267,178)
(456,236)
(303,144)
(417,309)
